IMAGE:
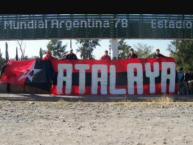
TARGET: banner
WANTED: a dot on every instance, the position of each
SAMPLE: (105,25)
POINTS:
(96,77)
(34,73)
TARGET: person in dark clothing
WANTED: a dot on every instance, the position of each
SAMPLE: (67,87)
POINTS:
(181,81)
(71,55)
(189,79)
(2,71)
(158,54)
(132,54)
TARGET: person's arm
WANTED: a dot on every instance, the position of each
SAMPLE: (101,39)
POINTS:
(161,55)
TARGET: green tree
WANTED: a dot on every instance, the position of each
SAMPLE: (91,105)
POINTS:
(182,52)
(123,49)
(143,50)
(86,47)
(16,56)
(6,51)
(22,47)
(1,62)
(57,49)
(0,54)
(41,53)
(1,59)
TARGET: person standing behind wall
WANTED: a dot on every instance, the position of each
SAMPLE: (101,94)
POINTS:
(2,71)
(189,79)
(71,55)
(158,54)
(181,81)
(48,56)
(105,56)
(132,54)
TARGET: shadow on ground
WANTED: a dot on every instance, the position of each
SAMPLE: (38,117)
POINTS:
(50,98)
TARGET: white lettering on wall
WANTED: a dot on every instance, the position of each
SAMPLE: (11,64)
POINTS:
(82,68)
(131,78)
(165,76)
(152,75)
(92,23)
(102,79)
(113,89)
(171,24)
(61,78)
(153,24)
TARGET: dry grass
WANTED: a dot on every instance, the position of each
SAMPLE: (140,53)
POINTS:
(122,103)
(62,101)
(164,99)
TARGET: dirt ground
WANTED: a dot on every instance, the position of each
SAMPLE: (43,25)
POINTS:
(96,123)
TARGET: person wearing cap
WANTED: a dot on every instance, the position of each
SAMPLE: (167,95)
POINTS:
(158,54)
(71,55)
(189,79)
(2,71)
(48,56)
(105,56)
(132,54)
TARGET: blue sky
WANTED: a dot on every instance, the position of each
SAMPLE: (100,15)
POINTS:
(33,46)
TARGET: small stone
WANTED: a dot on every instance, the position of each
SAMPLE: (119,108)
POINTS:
(31,102)
(94,129)
(80,128)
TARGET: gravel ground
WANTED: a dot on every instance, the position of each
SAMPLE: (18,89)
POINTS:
(96,123)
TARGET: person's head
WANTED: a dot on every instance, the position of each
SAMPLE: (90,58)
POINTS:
(48,53)
(157,51)
(181,69)
(106,52)
(71,51)
(131,51)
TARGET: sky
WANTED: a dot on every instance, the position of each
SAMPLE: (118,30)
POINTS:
(33,46)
